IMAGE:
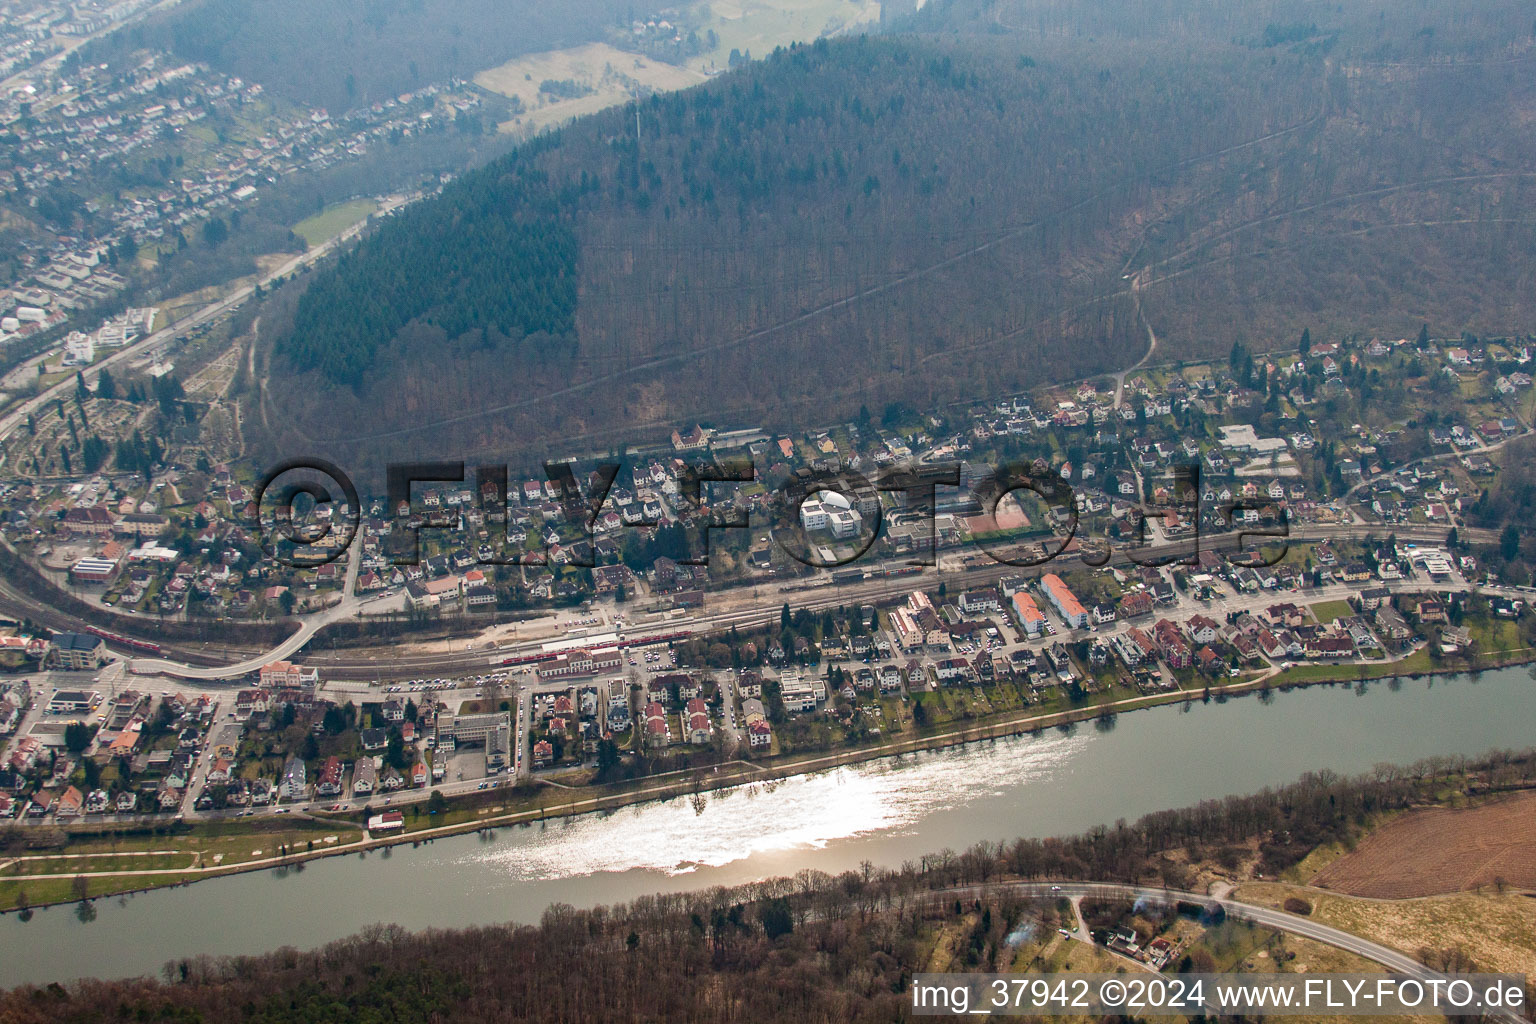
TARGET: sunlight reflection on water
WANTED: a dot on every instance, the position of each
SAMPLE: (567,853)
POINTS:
(801,812)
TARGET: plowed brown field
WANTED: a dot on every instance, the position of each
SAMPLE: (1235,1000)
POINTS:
(1439,850)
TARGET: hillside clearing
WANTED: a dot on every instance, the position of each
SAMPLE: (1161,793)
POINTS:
(610,76)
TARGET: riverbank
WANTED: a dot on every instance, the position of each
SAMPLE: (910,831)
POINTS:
(510,808)
(887,813)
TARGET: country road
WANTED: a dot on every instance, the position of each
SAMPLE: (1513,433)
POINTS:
(1393,960)
(1137,283)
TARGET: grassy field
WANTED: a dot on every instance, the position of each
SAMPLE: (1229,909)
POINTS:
(1498,930)
(1417,662)
(333,220)
(1442,850)
(91,863)
(63,890)
(612,75)
(615,76)
(181,856)
(1495,636)
(1328,611)
(214,837)
(1051,953)
(761,25)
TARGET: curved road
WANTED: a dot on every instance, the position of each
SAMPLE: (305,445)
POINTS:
(343,609)
(1137,283)
(1391,959)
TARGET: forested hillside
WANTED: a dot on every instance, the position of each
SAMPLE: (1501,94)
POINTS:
(479,270)
(1401,32)
(1407,200)
(923,218)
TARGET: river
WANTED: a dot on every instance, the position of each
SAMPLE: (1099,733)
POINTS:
(883,811)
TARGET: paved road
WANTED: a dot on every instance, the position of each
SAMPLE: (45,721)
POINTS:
(729,704)
(1481,449)
(344,609)
(1391,959)
(213,310)
(1137,282)
(73,43)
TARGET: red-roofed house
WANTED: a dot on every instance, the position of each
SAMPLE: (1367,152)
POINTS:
(696,718)
(656,730)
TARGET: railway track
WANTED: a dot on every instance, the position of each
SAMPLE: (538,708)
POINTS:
(387,661)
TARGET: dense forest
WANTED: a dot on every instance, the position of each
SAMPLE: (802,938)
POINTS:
(520,279)
(809,948)
(1402,32)
(1368,31)
(929,217)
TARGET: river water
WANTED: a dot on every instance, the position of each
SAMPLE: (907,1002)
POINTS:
(883,811)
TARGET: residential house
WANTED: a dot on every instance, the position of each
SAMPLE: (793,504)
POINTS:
(70,804)
(249,702)
(1172,645)
(655,729)
(365,776)
(329,781)
(979,602)
(696,719)
(1136,604)
(294,785)
(77,651)
(1203,629)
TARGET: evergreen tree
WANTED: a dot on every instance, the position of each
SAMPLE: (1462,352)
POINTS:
(93,453)
(1509,542)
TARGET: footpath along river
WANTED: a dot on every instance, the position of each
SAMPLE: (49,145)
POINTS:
(885,811)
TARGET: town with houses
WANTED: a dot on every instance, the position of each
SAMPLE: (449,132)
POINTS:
(820,681)
(606,652)
(396,446)
(184,539)
(1325,511)
(216,145)
(32,32)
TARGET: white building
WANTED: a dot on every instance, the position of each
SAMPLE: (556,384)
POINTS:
(813,516)
(830,511)
(79,349)
(798,696)
(294,785)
